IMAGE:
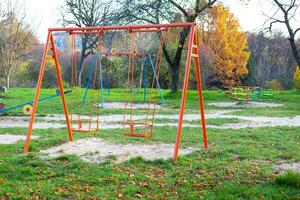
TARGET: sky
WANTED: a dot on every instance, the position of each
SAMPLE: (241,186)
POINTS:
(45,14)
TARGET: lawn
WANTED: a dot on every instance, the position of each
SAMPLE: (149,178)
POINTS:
(237,165)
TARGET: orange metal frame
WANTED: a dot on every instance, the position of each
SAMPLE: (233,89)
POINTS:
(192,54)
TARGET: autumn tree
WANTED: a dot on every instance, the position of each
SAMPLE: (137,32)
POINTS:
(15,39)
(229,44)
(162,11)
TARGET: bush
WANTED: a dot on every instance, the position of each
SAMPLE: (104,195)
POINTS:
(274,85)
(297,78)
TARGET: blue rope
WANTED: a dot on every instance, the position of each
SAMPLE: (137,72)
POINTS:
(101,80)
(156,78)
(145,79)
(89,82)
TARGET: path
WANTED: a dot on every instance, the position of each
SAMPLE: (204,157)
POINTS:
(113,121)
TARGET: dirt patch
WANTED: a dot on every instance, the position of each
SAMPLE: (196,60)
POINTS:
(19,122)
(12,139)
(121,105)
(96,150)
(246,105)
(255,122)
(283,167)
(114,121)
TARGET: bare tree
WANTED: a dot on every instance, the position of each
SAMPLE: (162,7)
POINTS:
(85,13)
(284,14)
(158,11)
(15,38)
(271,58)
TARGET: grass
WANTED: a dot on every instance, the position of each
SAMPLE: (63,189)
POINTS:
(17,96)
(237,165)
(290,178)
(289,99)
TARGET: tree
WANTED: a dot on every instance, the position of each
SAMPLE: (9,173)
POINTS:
(158,11)
(228,44)
(271,59)
(285,14)
(15,39)
(297,78)
(85,13)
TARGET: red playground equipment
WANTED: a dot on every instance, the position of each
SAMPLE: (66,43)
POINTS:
(131,126)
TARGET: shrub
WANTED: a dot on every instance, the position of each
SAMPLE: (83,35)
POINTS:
(66,84)
(297,78)
(274,85)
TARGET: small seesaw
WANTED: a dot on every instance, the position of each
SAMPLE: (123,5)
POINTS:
(249,93)
(27,106)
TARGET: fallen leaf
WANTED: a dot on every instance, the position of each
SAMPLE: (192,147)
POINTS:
(120,195)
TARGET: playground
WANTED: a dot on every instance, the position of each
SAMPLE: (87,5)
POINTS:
(250,157)
(131,117)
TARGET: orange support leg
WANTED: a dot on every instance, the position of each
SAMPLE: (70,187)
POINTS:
(199,86)
(38,88)
(37,94)
(192,52)
(184,93)
(61,87)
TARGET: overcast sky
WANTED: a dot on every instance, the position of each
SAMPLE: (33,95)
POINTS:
(45,14)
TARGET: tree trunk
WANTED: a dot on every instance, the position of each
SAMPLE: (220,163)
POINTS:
(175,77)
(174,63)
(82,58)
(7,78)
(295,51)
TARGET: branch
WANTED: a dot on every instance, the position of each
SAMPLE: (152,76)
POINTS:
(207,5)
(179,8)
(280,6)
(298,29)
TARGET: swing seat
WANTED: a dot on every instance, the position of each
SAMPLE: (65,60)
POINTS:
(81,129)
(132,132)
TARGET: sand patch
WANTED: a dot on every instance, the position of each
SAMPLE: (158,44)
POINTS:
(283,167)
(96,150)
(246,105)
(121,105)
(114,121)
(12,139)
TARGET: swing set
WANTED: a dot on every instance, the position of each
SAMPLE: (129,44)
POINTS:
(106,69)
(82,110)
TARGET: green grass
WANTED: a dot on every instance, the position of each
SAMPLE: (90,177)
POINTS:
(16,96)
(237,165)
(289,99)
(289,179)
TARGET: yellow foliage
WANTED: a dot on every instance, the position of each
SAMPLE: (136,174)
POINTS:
(297,78)
(228,44)
(23,67)
(50,61)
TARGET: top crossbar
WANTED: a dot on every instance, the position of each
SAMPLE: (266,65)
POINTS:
(155,27)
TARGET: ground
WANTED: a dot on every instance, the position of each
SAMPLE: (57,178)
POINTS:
(254,151)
